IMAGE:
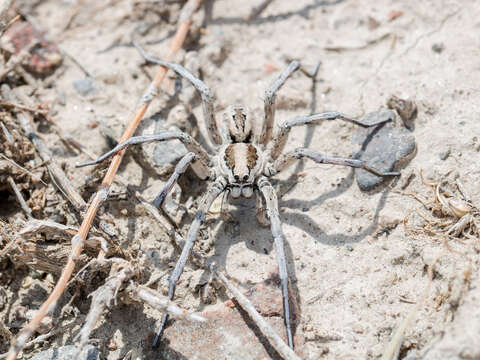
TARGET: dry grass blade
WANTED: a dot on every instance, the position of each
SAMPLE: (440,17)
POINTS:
(102,299)
(20,198)
(78,240)
(4,7)
(393,348)
(451,218)
(159,302)
(57,175)
(264,327)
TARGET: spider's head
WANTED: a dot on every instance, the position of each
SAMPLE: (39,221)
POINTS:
(238,123)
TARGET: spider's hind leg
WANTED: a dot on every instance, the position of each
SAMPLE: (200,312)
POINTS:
(213,191)
(279,238)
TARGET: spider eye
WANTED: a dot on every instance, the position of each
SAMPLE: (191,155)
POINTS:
(237,177)
(245,177)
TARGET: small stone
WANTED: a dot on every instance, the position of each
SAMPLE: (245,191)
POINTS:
(43,55)
(85,86)
(384,148)
(438,48)
(67,353)
(357,328)
(406,108)
(444,154)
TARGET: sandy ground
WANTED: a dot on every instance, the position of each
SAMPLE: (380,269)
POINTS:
(357,271)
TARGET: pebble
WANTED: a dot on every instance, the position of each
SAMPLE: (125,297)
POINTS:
(438,48)
(406,108)
(85,86)
(67,352)
(384,148)
(444,154)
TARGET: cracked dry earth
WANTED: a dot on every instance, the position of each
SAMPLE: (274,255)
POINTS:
(357,272)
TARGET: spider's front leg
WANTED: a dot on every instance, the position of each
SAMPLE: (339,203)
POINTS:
(271,202)
(200,166)
(213,191)
(270,95)
(276,146)
(208,98)
(287,159)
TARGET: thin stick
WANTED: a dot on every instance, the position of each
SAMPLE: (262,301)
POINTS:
(20,198)
(79,239)
(264,327)
(4,7)
(23,169)
(393,348)
(57,175)
(102,299)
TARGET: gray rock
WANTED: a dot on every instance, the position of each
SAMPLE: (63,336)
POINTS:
(384,147)
(444,154)
(85,86)
(90,352)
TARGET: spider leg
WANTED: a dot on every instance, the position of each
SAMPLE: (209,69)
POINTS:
(261,209)
(269,105)
(201,166)
(287,159)
(208,98)
(213,191)
(271,202)
(180,168)
(275,147)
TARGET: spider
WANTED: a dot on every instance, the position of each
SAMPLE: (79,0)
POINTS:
(244,159)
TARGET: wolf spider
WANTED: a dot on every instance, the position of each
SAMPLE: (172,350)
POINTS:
(243,161)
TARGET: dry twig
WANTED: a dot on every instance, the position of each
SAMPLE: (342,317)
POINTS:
(264,327)
(20,198)
(78,240)
(450,217)
(102,299)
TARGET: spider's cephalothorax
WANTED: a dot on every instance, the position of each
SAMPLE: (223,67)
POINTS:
(242,164)
(237,124)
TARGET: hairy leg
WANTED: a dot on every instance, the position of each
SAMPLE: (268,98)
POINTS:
(269,105)
(261,209)
(213,191)
(271,202)
(275,147)
(208,98)
(201,166)
(287,159)
(180,168)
